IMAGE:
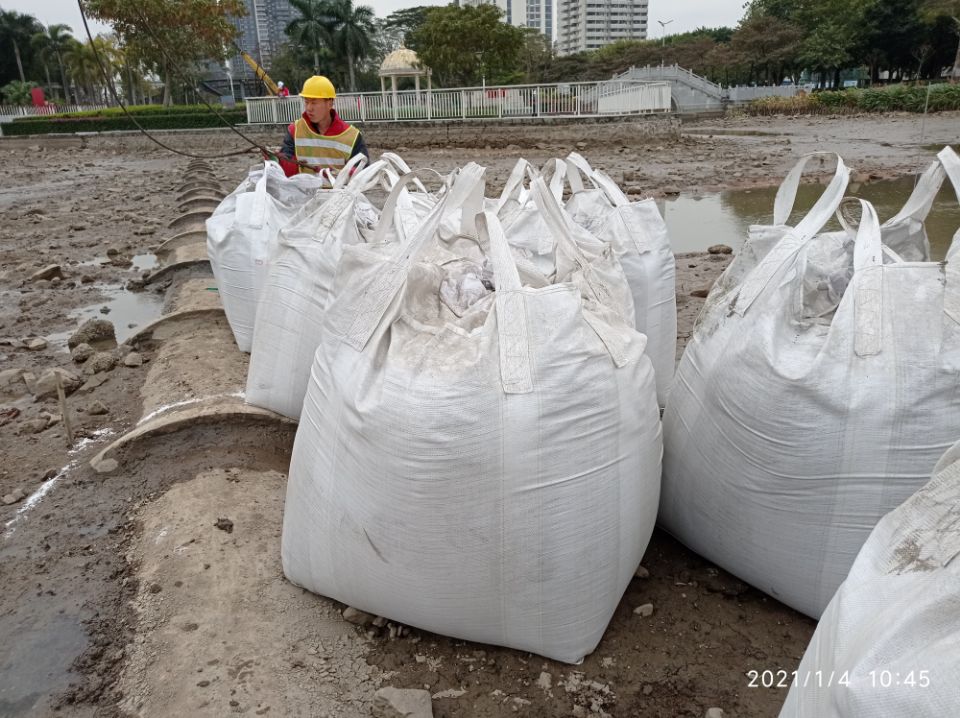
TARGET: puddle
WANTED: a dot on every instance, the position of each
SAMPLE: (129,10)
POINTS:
(696,222)
(138,261)
(37,664)
(717,132)
(129,311)
(144,261)
(95,262)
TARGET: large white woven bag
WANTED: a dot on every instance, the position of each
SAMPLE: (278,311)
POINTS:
(491,476)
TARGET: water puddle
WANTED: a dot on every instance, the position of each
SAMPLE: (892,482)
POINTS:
(697,221)
(37,663)
(144,261)
(129,311)
(721,131)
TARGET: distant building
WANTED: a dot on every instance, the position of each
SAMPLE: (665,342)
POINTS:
(592,24)
(261,33)
(537,14)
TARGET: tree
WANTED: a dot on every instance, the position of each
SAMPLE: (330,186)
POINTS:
(536,54)
(171,34)
(54,40)
(892,35)
(461,44)
(311,30)
(400,26)
(351,29)
(933,9)
(767,45)
(17,28)
(17,92)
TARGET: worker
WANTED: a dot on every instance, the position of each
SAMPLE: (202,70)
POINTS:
(319,138)
(282,91)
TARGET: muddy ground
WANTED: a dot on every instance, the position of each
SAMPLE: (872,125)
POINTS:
(120,594)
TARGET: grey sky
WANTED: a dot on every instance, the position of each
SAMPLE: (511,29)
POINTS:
(685,14)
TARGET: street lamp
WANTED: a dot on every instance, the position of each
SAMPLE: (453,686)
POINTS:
(663,31)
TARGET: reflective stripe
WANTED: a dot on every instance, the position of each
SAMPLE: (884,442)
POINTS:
(325,161)
(318,150)
(332,144)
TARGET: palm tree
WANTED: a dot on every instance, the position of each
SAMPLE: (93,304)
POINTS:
(352,28)
(18,28)
(17,92)
(55,39)
(310,30)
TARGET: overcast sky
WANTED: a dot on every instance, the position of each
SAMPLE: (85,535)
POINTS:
(685,14)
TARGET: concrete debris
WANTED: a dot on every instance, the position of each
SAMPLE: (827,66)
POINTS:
(46,385)
(81,353)
(645,610)
(641,572)
(97,408)
(93,382)
(14,497)
(545,681)
(9,377)
(449,693)
(224,524)
(358,617)
(133,359)
(37,344)
(392,702)
(713,713)
(32,426)
(720,249)
(100,362)
(92,330)
(48,272)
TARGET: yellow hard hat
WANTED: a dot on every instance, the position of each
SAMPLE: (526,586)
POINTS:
(318,87)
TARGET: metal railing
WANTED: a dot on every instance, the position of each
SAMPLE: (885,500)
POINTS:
(30,110)
(663,73)
(573,99)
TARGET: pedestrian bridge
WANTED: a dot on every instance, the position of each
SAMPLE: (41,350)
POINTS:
(690,92)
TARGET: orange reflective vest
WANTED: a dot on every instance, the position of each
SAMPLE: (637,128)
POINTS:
(320,151)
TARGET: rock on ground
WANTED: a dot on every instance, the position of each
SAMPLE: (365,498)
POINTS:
(393,702)
(92,330)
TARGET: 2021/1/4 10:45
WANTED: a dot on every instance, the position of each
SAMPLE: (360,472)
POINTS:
(825,679)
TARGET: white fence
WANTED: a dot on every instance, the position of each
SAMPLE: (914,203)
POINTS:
(30,111)
(574,99)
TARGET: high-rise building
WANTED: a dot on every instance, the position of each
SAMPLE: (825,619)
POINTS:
(261,32)
(591,24)
(537,14)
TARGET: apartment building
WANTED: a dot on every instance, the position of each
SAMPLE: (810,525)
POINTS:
(261,32)
(591,24)
(537,14)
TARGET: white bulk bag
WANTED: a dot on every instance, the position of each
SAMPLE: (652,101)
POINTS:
(904,235)
(533,220)
(887,644)
(241,238)
(639,237)
(788,436)
(297,286)
(492,477)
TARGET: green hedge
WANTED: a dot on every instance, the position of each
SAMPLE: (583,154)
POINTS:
(150,110)
(156,121)
(897,98)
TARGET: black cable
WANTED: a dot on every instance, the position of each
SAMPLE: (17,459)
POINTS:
(173,65)
(113,93)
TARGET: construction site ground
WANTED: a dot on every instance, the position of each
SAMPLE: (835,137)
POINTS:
(156,589)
